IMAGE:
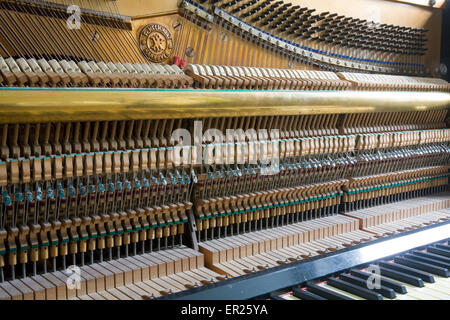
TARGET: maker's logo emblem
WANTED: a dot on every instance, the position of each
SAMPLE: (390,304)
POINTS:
(156,42)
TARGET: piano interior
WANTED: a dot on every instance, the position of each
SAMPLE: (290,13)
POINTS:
(157,149)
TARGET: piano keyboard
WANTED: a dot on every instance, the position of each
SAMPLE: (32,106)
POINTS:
(419,274)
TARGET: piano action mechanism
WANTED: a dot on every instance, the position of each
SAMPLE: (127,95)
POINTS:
(171,148)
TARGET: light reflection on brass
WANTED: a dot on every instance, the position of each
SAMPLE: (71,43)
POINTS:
(41,105)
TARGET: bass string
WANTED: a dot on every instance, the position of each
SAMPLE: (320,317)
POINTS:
(210,45)
(184,47)
(7,31)
(208,30)
(75,38)
(199,42)
(133,42)
(13,24)
(123,54)
(182,23)
(90,36)
(38,47)
(60,43)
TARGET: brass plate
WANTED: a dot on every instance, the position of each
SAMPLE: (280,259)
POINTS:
(45,105)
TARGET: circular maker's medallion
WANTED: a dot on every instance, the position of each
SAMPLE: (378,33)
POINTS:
(156,42)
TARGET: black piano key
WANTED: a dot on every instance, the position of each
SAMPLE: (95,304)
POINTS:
(439,251)
(443,272)
(431,256)
(306,295)
(354,289)
(383,290)
(425,276)
(326,293)
(400,276)
(428,260)
(445,247)
(397,287)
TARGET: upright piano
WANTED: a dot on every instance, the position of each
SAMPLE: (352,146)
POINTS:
(238,149)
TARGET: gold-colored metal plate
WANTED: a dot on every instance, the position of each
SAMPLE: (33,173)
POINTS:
(41,105)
